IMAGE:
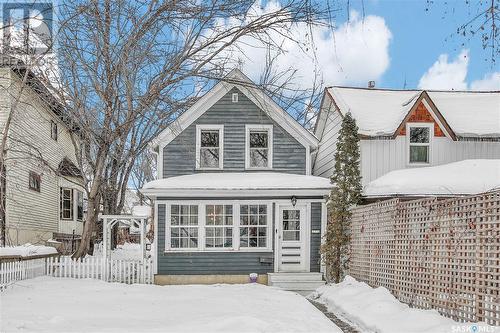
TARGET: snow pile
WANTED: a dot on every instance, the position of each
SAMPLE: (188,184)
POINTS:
(126,251)
(458,178)
(376,310)
(47,304)
(26,250)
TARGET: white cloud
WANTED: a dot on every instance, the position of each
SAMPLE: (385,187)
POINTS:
(447,75)
(354,53)
(490,81)
(452,75)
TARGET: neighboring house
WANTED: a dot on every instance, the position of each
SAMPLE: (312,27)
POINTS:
(43,197)
(235,195)
(401,129)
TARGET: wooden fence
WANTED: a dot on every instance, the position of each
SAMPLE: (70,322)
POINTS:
(430,253)
(112,270)
(13,271)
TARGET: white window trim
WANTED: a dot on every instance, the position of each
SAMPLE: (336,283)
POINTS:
(430,126)
(236,224)
(219,128)
(269,129)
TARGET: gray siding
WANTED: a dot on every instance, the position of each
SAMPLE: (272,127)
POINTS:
(179,155)
(192,263)
(315,261)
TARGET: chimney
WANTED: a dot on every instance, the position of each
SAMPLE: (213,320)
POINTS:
(371,84)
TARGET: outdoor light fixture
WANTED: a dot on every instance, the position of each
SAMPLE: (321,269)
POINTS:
(294,200)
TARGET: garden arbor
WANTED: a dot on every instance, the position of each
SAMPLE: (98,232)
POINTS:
(108,222)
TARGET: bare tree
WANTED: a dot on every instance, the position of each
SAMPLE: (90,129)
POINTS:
(130,68)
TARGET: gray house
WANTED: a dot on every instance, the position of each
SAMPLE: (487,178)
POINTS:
(235,194)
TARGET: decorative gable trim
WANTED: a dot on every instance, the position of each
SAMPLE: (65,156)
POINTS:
(236,79)
(424,110)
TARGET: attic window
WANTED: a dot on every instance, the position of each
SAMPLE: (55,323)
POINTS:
(235,97)
(419,143)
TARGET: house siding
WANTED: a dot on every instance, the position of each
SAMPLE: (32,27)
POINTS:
(179,156)
(194,263)
(315,256)
(380,156)
(32,216)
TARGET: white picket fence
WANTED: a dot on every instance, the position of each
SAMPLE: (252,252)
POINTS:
(11,272)
(111,270)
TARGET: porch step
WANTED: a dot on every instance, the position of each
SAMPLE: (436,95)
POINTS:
(299,282)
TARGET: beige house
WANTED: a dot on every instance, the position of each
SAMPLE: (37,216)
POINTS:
(44,198)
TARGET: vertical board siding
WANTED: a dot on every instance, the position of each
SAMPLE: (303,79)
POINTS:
(193,263)
(179,156)
(315,260)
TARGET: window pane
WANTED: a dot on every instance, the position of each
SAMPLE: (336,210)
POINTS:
(217,235)
(209,158)
(183,221)
(258,139)
(419,154)
(258,158)
(419,134)
(210,138)
(253,226)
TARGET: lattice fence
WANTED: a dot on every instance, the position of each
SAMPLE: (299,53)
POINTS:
(439,254)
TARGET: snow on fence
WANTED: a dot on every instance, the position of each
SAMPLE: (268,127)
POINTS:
(11,272)
(111,270)
(430,253)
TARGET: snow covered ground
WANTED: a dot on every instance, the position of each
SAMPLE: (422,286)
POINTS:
(48,304)
(376,310)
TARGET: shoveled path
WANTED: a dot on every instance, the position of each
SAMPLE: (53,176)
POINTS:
(345,327)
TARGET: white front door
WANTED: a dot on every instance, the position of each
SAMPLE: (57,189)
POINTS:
(292,240)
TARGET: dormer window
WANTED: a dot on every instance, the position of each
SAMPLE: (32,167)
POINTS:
(259,147)
(419,142)
(209,147)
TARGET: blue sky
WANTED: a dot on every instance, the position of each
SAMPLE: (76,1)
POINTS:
(394,40)
(420,36)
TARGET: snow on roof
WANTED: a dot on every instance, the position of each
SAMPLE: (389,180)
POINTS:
(469,113)
(26,250)
(237,181)
(458,178)
(379,112)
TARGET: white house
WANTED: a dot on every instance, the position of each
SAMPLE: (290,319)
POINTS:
(43,194)
(402,129)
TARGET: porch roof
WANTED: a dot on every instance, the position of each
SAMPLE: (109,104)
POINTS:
(238,184)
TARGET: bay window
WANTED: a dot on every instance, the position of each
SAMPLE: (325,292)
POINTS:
(209,146)
(184,226)
(419,143)
(259,146)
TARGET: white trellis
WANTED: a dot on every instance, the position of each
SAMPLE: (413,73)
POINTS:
(108,222)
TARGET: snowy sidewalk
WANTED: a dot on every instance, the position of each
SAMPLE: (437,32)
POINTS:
(48,304)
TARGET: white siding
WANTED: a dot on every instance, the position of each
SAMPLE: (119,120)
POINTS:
(324,159)
(381,156)
(32,216)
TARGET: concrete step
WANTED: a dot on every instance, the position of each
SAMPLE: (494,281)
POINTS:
(288,277)
(300,282)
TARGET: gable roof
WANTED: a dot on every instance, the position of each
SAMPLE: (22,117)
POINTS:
(239,80)
(380,112)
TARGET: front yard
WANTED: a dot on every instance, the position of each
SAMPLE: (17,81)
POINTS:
(47,304)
